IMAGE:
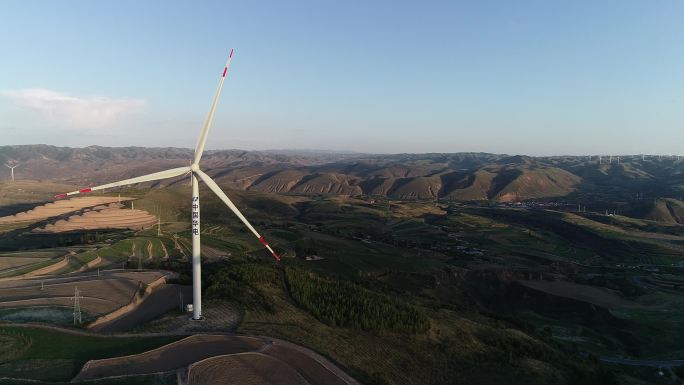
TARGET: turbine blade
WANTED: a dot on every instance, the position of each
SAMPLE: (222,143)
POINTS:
(199,149)
(145,178)
(217,190)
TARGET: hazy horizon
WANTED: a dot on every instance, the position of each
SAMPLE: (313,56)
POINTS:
(348,152)
(534,78)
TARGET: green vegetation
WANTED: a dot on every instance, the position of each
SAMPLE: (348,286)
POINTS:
(46,354)
(241,282)
(404,292)
(456,349)
(340,303)
(13,344)
(152,379)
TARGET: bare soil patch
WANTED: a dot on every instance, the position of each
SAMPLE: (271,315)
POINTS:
(102,295)
(13,262)
(245,369)
(170,357)
(319,372)
(595,295)
(159,302)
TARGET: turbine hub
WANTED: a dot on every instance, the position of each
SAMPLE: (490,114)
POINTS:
(194,167)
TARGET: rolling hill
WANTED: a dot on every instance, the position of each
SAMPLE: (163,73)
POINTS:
(455,176)
(665,210)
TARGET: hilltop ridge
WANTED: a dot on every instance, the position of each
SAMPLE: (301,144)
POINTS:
(464,176)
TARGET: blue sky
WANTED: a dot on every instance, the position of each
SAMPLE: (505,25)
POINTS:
(518,77)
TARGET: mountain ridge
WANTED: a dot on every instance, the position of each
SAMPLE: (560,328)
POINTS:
(459,176)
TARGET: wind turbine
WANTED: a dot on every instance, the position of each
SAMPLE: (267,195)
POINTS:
(195,174)
(12,170)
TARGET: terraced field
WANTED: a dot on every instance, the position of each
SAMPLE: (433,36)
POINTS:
(245,369)
(111,217)
(223,359)
(53,355)
(13,262)
(314,368)
(170,357)
(101,295)
(58,208)
(32,263)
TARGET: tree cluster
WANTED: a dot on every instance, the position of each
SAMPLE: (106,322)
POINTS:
(342,303)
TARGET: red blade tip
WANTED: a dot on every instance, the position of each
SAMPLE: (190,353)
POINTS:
(231,52)
(59,196)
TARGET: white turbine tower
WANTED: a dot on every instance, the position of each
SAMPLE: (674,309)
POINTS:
(195,173)
(12,170)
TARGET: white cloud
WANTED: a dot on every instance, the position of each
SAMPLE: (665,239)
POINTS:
(72,111)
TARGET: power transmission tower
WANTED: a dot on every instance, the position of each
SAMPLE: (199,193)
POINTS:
(77,306)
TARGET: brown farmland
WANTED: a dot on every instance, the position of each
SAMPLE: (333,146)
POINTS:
(101,295)
(110,217)
(58,208)
(179,354)
(245,369)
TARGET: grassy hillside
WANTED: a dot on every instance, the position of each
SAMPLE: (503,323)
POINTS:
(666,210)
(454,271)
(44,354)
(457,348)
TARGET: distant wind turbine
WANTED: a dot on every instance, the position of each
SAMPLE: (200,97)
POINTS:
(195,172)
(12,170)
